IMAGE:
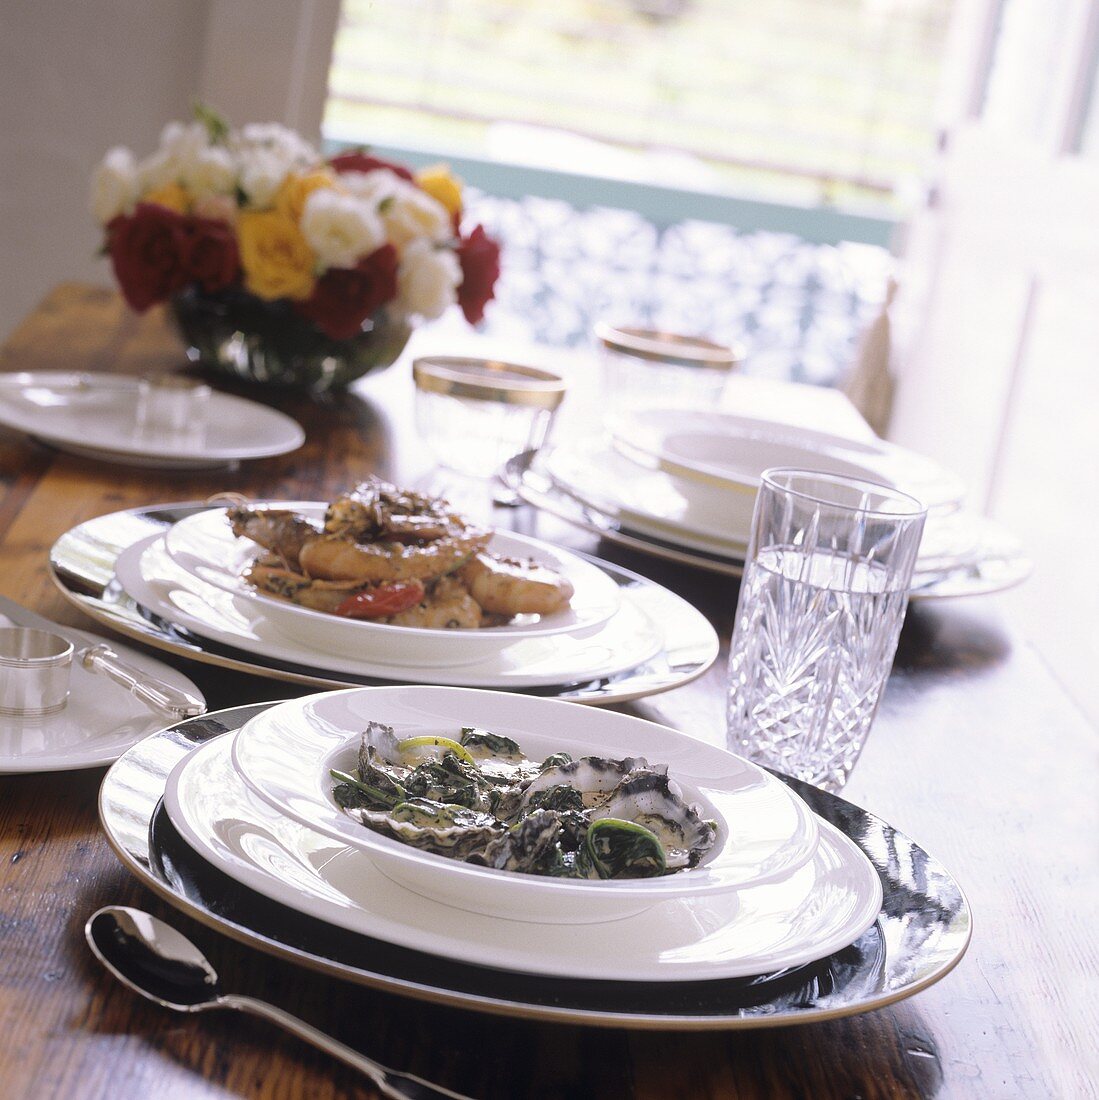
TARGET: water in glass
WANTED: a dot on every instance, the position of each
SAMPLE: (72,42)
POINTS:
(815,636)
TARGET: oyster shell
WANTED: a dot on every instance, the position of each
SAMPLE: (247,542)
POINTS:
(592,776)
(436,827)
(591,818)
(654,801)
(531,847)
(383,741)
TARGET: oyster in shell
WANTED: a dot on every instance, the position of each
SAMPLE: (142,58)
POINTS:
(652,800)
(480,799)
(592,776)
(451,831)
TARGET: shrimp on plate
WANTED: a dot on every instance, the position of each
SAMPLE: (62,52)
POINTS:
(395,556)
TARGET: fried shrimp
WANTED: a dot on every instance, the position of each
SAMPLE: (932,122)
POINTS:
(372,535)
(269,575)
(504,586)
(341,559)
(378,534)
(374,509)
(279,530)
(394,556)
(447,606)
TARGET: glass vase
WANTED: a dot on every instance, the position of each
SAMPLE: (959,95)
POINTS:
(237,334)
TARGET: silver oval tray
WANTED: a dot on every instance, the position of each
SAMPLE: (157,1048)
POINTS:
(82,566)
(920,935)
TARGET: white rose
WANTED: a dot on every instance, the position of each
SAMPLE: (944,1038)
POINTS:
(211,171)
(427,279)
(280,141)
(157,170)
(184,140)
(261,175)
(114,185)
(372,187)
(340,229)
(181,146)
(411,214)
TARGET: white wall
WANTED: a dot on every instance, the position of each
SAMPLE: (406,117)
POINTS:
(78,76)
(291,41)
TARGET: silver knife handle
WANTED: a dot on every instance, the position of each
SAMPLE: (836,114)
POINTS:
(155,694)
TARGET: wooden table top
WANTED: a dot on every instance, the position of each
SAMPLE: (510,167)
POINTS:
(977,753)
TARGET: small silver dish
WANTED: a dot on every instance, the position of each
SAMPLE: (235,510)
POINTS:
(34,672)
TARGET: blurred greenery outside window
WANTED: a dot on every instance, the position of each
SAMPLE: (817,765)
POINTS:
(807,116)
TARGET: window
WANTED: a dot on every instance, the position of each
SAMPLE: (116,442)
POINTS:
(806,101)
(727,168)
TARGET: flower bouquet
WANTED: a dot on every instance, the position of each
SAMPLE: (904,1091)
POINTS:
(282,267)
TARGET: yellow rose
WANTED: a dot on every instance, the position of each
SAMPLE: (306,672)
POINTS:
(291,196)
(171,195)
(444,187)
(277,260)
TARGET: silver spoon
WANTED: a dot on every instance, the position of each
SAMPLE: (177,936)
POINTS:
(158,962)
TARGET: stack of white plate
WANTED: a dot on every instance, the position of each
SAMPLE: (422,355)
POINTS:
(682,484)
(781,888)
(192,577)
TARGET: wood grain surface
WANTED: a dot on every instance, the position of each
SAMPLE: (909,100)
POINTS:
(977,753)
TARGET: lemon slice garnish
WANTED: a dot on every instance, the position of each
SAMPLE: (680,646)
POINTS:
(429,741)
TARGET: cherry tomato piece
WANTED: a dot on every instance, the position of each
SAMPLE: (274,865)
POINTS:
(382,601)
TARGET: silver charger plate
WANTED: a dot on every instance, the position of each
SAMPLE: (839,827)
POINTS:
(921,933)
(1001,564)
(82,566)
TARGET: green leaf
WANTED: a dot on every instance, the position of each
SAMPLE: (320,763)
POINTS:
(625,849)
(216,126)
(374,793)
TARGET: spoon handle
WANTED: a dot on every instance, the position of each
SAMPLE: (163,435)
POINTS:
(400,1086)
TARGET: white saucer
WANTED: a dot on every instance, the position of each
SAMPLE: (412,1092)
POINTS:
(99,723)
(633,636)
(95,416)
(824,906)
(204,546)
(731,451)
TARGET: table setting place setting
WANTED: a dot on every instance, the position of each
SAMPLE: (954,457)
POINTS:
(450,804)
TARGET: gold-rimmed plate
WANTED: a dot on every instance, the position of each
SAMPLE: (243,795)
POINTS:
(921,932)
(83,565)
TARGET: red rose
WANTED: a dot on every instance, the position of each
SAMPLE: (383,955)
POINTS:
(212,259)
(479,256)
(345,297)
(363,162)
(148,251)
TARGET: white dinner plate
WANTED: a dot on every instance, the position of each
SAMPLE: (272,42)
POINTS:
(693,514)
(764,831)
(631,637)
(650,501)
(733,451)
(101,719)
(95,415)
(204,546)
(820,908)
